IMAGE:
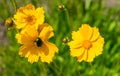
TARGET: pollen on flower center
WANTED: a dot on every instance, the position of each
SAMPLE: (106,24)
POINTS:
(38,42)
(30,19)
(87,44)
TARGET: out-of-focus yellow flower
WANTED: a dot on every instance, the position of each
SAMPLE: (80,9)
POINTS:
(86,44)
(34,43)
(29,16)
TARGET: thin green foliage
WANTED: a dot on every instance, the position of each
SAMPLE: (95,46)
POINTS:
(64,21)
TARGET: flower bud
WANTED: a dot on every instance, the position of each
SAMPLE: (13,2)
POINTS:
(61,6)
(9,22)
(64,40)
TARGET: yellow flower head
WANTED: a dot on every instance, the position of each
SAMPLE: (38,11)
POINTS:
(87,43)
(29,16)
(34,44)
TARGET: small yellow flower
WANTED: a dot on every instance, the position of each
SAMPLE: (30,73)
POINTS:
(86,44)
(34,43)
(29,16)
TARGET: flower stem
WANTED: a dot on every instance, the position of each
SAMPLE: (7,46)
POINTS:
(93,69)
(44,69)
(14,4)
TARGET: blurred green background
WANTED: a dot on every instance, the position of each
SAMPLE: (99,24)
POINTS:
(104,14)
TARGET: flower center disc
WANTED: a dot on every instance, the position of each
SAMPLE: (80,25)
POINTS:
(30,19)
(87,44)
(39,42)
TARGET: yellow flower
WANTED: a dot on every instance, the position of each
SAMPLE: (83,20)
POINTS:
(34,43)
(29,16)
(86,44)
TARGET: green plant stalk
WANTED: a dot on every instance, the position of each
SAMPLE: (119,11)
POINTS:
(93,69)
(44,69)
(14,4)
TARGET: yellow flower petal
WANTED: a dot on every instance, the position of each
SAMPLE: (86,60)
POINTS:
(52,50)
(25,39)
(33,58)
(90,55)
(18,37)
(20,21)
(83,56)
(44,49)
(77,52)
(75,44)
(27,36)
(24,51)
(46,32)
(86,31)
(95,34)
(77,36)
(20,17)
(32,32)
(98,46)
(30,52)
(30,7)
(39,12)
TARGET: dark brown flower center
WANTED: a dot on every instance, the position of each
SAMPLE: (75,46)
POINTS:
(38,42)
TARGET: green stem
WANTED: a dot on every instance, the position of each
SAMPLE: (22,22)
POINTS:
(93,69)
(44,69)
(67,15)
(14,4)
